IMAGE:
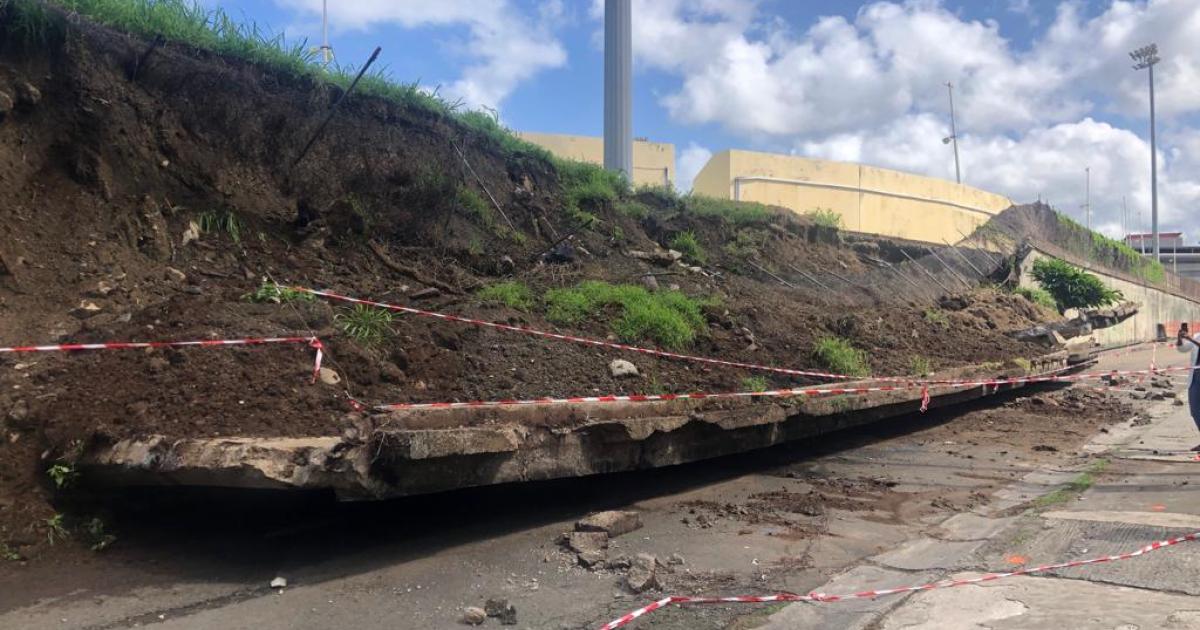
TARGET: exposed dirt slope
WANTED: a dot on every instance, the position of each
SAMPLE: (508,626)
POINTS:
(103,177)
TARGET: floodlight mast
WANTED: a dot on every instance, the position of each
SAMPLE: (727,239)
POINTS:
(1145,58)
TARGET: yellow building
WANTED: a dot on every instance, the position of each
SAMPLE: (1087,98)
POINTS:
(869,199)
(653,162)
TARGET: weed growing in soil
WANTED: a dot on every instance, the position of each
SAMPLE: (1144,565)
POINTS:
(746,243)
(669,318)
(735,212)
(96,536)
(838,355)
(366,325)
(755,384)
(825,217)
(512,294)
(1040,297)
(632,209)
(919,365)
(1071,286)
(476,206)
(588,186)
(1074,488)
(8,553)
(937,317)
(271,293)
(1023,363)
(686,243)
(63,475)
(222,221)
(56,530)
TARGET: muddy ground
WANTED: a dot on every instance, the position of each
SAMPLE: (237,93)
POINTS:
(106,176)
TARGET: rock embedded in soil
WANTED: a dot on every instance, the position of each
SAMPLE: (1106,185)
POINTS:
(6,104)
(620,368)
(612,523)
(474,615)
(501,609)
(328,376)
(28,95)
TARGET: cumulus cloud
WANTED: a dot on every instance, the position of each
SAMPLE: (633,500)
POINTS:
(504,46)
(691,160)
(872,89)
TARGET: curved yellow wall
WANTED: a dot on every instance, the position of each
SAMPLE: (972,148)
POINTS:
(653,162)
(869,199)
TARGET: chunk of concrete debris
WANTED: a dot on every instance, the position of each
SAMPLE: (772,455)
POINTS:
(643,574)
(501,609)
(620,562)
(613,523)
(192,233)
(279,582)
(328,376)
(86,309)
(28,95)
(621,367)
(582,542)
(6,104)
(474,615)
(589,559)
(675,560)
(650,282)
(172,273)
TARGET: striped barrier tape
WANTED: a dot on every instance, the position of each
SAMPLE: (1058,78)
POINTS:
(312,342)
(628,618)
(908,381)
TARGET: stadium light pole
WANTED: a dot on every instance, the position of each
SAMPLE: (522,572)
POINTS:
(618,92)
(1145,58)
(953,137)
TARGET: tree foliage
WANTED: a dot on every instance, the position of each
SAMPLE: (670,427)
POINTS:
(1071,286)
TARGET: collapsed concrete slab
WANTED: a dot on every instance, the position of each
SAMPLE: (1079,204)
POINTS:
(421,451)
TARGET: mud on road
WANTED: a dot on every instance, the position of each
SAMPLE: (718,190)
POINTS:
(783,519)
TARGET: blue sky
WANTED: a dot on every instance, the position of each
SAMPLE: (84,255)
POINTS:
(1043,88)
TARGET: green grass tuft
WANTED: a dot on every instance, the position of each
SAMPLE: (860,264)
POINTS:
(825,217)
(272,293)
(839,356)
(669,318)
(226,221)
(512,294)
(937,317)
(1038,296)
(755,384)
(919,365)
(1073,488)
(686,243)
(366,325)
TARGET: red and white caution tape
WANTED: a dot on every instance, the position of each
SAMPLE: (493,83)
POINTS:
(312,342)
(628,618)
(586,340)
(908,382)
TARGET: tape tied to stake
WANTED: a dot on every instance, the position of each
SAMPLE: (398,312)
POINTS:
(629,617)
(312,342)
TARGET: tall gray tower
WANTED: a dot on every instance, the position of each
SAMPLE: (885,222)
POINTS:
(618,91)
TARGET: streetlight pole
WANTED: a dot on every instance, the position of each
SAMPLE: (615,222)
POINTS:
(953,137)
(1145,58)
(1087,198)
(618,91)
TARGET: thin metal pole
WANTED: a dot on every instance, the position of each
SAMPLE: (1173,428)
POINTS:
(954,133)
(954,273)
(618,92)
(964,258)
(1153,173)
(927,272)
(1087,199)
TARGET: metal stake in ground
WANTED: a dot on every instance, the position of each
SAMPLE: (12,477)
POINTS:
(333,108)
(927,272)
(963,257)
(952,271)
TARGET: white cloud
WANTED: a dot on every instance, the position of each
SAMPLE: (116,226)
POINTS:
(691,160)
(504,47)
(872,89)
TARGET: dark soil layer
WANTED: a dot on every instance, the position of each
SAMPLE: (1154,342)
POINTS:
(101,177)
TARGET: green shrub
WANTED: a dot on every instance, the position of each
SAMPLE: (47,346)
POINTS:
(669,318)
(825,217)
(1037,296)
(937,317)
(839,356)
(735,212)
(919,365)
(755,384)
(273,293)
(1109,252)
(63,475)
(1072,287)
(364,324)
(686,244)
(512,294)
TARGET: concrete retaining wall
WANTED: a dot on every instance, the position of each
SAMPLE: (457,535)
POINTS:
(870,200)
(1158,306)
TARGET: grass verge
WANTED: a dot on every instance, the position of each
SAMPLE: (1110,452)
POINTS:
(512,294)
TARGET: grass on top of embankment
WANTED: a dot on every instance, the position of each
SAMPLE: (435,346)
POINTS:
(213,29)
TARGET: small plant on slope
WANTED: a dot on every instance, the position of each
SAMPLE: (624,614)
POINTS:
(366,325)
(272,293)
(686,244)
(838,355)
(512,294)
